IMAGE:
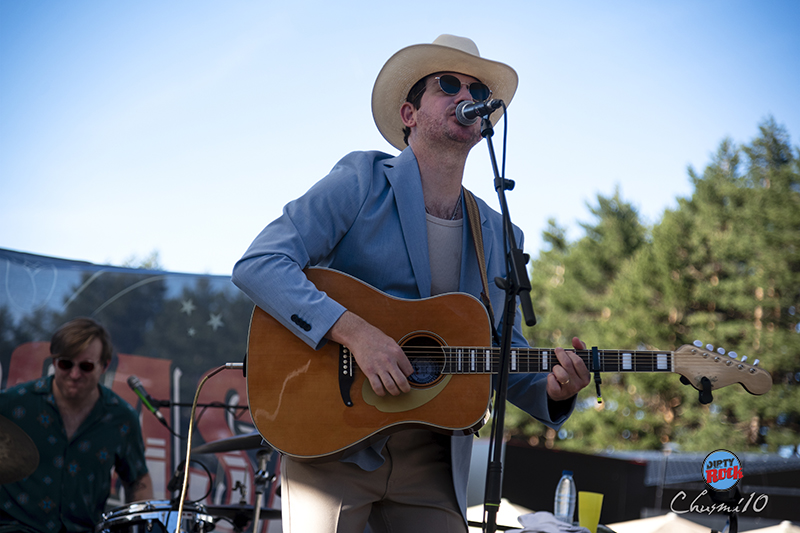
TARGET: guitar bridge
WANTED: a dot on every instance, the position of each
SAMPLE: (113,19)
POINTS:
(346,374)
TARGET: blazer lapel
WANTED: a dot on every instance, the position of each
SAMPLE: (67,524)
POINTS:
(403,175)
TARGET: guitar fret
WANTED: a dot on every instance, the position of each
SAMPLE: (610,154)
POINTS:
(535,360)
(627,361)
(609,361)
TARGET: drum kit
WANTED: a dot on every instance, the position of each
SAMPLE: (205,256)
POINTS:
(160,516)
(19,458)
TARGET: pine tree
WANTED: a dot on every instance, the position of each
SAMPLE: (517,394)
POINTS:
(570,281)
(724,268)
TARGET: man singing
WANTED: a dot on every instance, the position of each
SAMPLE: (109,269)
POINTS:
(396,223)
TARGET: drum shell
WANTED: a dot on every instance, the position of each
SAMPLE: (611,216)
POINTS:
(155,516)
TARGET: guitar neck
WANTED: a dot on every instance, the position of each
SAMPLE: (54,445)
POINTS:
(471,360)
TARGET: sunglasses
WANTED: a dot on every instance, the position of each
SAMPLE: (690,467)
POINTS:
(66,364)
(451,85)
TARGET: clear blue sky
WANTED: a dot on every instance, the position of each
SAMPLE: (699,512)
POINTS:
(184,126)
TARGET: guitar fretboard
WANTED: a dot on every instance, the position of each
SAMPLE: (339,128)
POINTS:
(471,360)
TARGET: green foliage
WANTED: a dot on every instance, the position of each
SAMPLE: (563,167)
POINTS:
(724,268)
(570,281)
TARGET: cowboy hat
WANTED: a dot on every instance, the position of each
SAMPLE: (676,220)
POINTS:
(448,53)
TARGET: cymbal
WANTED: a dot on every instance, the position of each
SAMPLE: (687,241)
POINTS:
(249,441)
(19,456)
(233,511)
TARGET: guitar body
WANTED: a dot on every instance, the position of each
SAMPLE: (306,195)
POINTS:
(293,390)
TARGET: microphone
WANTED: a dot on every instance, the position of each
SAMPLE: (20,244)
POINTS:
(469,113)
(138,388)
(177,479)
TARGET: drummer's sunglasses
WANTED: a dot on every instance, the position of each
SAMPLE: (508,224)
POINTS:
(66,364)
(451,85)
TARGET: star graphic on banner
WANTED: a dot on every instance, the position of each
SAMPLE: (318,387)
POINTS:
(215,321)
(191,332)
(187,307)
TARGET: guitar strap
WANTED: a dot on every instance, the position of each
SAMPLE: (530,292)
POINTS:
(474,217)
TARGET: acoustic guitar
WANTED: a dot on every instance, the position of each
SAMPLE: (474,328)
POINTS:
(315,404)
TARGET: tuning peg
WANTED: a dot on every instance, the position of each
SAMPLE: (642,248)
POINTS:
(744,358)
(698,343)
(755,363)
(721,350)
(734,354)
(710,347)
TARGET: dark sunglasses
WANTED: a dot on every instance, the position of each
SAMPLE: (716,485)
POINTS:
(66,364)
(451,85)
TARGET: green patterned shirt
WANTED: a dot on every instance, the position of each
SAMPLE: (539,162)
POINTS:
(70,487)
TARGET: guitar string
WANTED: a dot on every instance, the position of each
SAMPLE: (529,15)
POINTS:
(540,351)
(526,355)
(612,359)
(536,355)
(643,361)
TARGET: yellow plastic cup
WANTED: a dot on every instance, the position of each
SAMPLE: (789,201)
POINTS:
(589,506)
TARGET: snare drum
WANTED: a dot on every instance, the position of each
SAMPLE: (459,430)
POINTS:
(159,516)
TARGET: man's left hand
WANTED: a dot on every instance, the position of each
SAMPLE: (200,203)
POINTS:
(570,375)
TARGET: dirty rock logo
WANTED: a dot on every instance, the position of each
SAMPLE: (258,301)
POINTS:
(722,470)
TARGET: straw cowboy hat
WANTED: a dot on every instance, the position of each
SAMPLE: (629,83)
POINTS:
(448,53)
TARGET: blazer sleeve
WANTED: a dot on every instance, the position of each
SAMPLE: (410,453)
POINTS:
(308,230)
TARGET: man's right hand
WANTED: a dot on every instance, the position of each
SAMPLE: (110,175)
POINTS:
(379,357)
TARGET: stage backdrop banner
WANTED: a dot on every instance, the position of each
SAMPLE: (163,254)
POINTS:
(170,330)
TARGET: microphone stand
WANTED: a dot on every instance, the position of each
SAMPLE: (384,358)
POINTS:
(260,481)
(729,498)
(168,403)
(218,405)
(515,284)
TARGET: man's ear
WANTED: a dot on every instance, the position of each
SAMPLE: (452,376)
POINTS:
(408,114)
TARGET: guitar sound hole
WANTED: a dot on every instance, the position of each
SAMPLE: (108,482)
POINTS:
(425,372)
(426,357)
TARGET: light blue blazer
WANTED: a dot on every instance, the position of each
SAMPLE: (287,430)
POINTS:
(367,218)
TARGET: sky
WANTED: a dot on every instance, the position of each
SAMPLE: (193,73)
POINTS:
(183,127)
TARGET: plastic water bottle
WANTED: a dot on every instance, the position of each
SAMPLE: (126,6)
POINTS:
(566,494)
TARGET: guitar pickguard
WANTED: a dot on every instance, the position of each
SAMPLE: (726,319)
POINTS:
(405,401)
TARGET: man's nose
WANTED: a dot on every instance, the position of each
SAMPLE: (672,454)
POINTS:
(464,94)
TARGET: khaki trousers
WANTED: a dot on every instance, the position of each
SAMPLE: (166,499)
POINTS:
(412,492)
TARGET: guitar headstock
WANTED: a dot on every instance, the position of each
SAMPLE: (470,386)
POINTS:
(694,362)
